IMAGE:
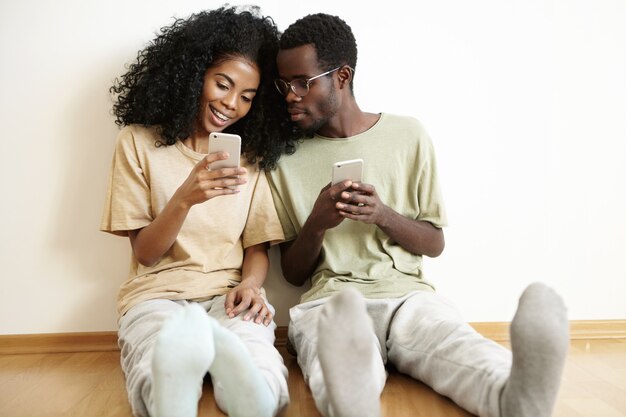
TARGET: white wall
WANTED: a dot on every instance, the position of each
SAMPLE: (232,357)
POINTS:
(525,101)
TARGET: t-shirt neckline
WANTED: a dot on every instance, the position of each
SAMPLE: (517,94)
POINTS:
(357,136)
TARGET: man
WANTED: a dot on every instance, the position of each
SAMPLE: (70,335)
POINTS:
(362,246)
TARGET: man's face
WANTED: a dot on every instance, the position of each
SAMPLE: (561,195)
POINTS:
(313,111)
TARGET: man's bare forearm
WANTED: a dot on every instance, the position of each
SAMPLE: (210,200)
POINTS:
(418,237)
(299,257)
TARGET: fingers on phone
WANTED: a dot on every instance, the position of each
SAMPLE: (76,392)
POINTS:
(228,172)
(231,182)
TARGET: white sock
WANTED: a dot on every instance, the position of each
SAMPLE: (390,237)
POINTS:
(539,341)
(182,355)
(246,391)
(345,351)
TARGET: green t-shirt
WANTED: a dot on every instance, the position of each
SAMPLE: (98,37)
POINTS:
(400,164)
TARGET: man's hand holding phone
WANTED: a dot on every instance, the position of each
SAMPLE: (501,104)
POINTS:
(362,203)
(324,214)
(359,201)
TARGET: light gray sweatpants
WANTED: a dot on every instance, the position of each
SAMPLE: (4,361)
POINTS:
(141,324)
(425,337)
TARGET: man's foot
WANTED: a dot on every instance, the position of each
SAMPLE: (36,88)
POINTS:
(539,341)
(347,356)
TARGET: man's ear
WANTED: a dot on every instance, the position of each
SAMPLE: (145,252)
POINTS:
(344,74)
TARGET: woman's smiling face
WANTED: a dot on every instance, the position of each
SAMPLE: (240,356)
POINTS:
(227,94)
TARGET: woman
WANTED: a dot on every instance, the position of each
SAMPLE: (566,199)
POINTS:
(194,302)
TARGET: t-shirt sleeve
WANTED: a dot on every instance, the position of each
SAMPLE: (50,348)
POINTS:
(262,224)
(429,194)
(288,228)
(127,202)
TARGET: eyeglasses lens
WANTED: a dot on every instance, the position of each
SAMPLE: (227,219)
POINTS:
(281,86)
(298,86)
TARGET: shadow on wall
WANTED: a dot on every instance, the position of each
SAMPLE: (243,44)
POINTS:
(95,263)
(281,294)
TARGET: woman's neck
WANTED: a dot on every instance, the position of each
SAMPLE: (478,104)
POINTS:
(197,142)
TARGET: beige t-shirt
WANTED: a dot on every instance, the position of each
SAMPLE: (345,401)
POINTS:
(399,161)
(207,256)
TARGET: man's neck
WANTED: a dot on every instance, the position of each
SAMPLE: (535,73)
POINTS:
(350,121)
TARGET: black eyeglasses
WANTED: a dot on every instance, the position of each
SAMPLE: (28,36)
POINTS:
(299,86)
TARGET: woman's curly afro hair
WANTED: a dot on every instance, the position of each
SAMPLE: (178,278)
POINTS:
(163,87)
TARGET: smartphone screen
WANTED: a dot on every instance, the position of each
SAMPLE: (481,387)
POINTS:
(225,142)
(348,170)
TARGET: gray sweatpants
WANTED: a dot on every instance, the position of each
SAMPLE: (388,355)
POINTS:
(141,324)
(425,337)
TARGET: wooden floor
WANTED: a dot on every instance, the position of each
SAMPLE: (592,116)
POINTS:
(92,384)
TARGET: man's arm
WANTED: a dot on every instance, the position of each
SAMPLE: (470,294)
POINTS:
(363,204)
(418,237)
(299,257)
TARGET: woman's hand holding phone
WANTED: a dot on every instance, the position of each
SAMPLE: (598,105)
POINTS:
(203,184)
(225,142)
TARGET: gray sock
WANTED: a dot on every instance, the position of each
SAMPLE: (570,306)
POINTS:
(539,341)
(346,354)
(246,392)
(182,355)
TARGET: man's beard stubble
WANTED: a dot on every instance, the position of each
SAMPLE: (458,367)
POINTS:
(328,109)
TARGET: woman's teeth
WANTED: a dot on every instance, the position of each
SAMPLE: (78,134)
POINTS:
(219,115)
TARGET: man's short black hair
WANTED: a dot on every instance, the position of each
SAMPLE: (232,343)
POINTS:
(332,37)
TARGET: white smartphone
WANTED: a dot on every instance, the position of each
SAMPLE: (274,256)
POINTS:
(348,170)
(225,142)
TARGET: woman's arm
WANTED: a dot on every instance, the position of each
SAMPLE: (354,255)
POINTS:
(248,293)
(151,242)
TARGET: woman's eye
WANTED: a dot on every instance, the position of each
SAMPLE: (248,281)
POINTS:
(246,99)
(222,86)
